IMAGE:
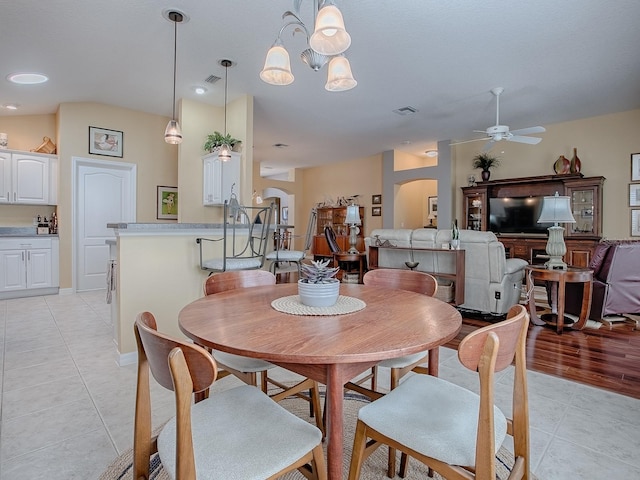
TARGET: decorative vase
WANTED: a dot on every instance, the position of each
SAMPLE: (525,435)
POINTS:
(319,294)
(562,165)
(485,175)
(455,244)
(576,164)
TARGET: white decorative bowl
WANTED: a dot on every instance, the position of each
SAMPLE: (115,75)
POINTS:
(319,294)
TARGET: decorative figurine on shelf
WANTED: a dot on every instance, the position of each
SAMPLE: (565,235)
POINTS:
(562,165)
(576,164)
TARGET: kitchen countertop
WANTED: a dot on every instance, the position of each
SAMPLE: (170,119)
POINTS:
(22,232)
(162,226)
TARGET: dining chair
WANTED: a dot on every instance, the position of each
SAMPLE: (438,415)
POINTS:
(236,433)
(283,252)
(454,431)
(413,281)
(246,368)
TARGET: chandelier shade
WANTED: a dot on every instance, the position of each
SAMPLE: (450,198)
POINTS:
(330,36)
(277,66)
(340,77)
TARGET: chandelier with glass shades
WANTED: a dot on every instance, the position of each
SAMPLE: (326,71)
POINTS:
(326,45)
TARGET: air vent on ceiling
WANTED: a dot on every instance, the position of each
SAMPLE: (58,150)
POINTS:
(212,79)
(406,111)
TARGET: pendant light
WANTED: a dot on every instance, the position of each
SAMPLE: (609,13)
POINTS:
(172,133)
(224,153)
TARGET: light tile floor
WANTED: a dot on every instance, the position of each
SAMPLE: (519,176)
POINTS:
(67,408)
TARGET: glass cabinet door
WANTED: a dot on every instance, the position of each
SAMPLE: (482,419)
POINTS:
(583,209)
(475,205)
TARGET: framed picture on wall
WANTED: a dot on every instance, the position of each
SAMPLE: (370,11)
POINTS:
(433,206)
(105,142)
(634,195)
(167,203)
(635,167)
(635,222)
(376,211)
(376,199)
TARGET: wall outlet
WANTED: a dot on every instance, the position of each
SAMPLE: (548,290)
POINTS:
(497,295)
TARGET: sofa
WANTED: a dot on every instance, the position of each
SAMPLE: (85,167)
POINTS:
(492,282)
(616,281)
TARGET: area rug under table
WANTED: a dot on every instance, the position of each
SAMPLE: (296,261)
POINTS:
(375,467)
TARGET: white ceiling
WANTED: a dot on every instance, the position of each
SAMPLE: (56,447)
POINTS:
(557,60)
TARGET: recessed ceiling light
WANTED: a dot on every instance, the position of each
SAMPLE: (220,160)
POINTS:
(200,90)
(431,153)
(27,78)
(10,106)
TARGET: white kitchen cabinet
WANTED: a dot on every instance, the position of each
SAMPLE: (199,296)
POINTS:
(28,178)
(28,266)
(219,177)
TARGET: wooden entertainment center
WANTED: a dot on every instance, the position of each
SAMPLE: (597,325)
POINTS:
(580,237)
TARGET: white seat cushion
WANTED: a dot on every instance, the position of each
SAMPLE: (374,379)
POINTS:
(240,363)
(238,263)
(285,255)
(240,434)
(434,417)
(401,362)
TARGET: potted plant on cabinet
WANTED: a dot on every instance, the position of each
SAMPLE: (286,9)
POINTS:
(318,286)
(215,140)
(485,161)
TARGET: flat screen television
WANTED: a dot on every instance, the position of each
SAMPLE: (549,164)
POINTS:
(516,215)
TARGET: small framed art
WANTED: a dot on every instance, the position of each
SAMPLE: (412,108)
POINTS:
(635,167)
(376,211)
(634,194)
(433,206)
(167,203)
(635,222)
(105,142)
(376,199)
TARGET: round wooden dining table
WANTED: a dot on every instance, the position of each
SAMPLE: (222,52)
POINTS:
(331,349)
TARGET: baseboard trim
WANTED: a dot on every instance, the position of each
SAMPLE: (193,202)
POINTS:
(129,358)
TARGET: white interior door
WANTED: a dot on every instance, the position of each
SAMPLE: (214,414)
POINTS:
(105,192)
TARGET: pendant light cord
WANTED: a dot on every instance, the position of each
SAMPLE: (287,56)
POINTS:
(175,17)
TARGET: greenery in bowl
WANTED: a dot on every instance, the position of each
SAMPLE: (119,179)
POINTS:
(318,271)
(485,161)
(216,139)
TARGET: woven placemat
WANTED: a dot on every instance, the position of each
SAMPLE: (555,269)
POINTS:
(292,305)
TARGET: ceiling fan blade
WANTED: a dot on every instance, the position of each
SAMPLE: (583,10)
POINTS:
(529,130)
(521,139)
(467,141)
(488,145)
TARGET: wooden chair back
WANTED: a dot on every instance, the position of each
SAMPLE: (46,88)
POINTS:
(411,280)
(190,369)
(488,350)
(221,282)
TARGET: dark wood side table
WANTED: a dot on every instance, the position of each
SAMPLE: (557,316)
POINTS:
(351,263)
(559,279)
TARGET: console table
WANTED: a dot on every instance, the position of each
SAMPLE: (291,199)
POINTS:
(457,277)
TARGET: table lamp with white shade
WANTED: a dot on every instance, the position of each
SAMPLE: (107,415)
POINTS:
(556,209)
(353,220)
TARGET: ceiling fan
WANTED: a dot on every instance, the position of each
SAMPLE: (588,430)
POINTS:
(499,132)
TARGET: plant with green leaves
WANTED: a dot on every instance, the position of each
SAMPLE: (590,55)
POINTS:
(485,161)
(216,139)
(455,233)
(318,271)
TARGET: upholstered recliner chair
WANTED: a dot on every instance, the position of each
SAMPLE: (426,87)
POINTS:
(492,281)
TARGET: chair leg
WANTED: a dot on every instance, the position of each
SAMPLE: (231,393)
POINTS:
(357,455)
